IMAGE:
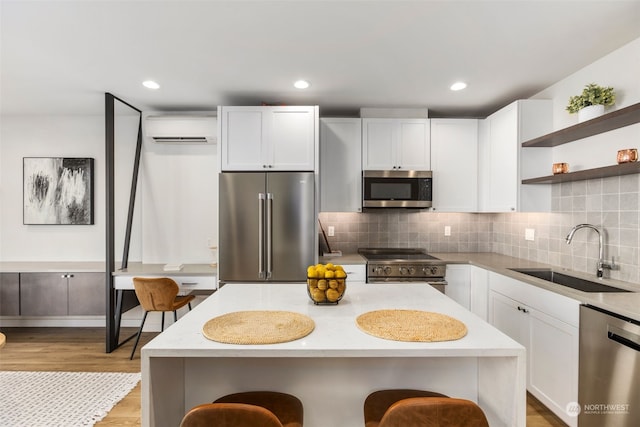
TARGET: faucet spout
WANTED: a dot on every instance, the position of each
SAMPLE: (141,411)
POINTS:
(601,262)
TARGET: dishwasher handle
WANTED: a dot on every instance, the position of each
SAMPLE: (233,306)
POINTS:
(626,338)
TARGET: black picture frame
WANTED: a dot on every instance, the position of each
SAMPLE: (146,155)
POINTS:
(58,190)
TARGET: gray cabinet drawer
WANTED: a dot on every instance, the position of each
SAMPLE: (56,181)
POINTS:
(43,294)
(9,294)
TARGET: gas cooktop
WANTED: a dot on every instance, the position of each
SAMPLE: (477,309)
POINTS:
(399,254)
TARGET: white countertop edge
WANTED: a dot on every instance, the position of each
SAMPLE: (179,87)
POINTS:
(336,333)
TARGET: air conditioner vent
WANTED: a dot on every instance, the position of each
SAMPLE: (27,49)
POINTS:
(182,129)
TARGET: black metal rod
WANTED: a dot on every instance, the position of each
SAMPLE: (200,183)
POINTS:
(111,339)
(132,197)
(126,103)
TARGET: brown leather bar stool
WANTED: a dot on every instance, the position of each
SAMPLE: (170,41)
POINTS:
(287,408)
(418,408)
(158,294)
(229,415)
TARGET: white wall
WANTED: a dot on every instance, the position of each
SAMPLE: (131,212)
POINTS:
(179,203)
(176,211)
(49,137)
(621,70)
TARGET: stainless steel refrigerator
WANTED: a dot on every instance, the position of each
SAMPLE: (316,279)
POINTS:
(267,229)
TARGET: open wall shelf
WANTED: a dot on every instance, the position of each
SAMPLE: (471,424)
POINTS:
(603,172)
(610,121)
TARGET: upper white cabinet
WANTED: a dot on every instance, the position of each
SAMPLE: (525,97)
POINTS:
(340,165)
(454,161)
(268,138)
(389,144)
(503,163)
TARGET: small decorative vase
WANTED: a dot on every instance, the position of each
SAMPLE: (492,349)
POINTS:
(590,112)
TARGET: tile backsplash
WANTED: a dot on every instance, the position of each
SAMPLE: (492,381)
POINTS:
(611,203)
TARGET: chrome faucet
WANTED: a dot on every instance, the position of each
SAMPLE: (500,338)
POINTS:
(601,262)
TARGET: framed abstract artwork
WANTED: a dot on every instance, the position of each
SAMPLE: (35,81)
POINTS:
(58,190)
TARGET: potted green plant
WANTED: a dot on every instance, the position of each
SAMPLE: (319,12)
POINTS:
(591,102)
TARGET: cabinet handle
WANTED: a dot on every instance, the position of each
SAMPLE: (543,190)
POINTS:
(264,166)
(522,309)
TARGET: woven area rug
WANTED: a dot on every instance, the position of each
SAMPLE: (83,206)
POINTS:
(60,399)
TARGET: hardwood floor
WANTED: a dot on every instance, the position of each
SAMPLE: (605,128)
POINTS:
(82,349)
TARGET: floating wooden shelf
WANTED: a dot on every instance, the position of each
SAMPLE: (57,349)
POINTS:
(610,121)
(603,172)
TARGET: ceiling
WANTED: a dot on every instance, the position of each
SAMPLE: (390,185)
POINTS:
(60,57)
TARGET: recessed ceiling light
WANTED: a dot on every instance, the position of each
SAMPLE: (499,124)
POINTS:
(301,84)
(458,86)
(150,84)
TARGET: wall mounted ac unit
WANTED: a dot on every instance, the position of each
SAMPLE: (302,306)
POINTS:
(174,129)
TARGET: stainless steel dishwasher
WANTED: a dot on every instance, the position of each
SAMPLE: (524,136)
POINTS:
(609,379)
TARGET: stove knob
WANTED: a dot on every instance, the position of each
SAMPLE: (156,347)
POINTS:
(378,270)
(387,270)
(434,270)
(425,270)
(402,270)
(412,270)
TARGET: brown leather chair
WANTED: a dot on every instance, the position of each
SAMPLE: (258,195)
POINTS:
(418,408)
(229,415)
(158,294)
(287,408)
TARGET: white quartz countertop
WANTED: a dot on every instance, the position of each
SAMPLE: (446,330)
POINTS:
(336,333)
(624,303)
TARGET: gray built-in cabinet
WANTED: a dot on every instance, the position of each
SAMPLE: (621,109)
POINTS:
(9,294)
(52,294)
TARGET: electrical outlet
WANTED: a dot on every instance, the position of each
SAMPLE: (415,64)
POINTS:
(331,231)
(447,230)
(529,234)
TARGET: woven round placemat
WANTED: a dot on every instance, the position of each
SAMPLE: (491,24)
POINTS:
(411,325)
(258,327)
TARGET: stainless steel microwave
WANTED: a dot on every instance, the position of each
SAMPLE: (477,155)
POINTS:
(396,189)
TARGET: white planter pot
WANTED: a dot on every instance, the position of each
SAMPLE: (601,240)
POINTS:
(590,112)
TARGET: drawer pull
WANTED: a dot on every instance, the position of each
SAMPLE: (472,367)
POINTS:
(189,283)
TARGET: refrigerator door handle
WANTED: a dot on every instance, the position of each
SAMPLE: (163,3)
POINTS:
(261,199)
(269,226)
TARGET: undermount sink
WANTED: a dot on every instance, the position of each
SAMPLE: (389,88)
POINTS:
(583,285)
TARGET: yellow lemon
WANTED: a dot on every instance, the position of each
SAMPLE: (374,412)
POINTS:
(329,266)
(338,267)
(328,274)
(340,274)
(311,271)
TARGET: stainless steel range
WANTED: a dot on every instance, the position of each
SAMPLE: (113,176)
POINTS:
(404,265)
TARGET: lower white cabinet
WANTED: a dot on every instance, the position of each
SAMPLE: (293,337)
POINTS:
(546,324)
(468,285)
(356,273)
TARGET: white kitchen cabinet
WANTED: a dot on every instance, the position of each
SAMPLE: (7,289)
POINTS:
(389,144)
(459,284)
(468,285)
(547,325)
(503,163)
(340,165)
(356,273)
(454,162)
(268,138)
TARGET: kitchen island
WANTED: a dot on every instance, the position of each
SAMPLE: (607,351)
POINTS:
(334,368)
